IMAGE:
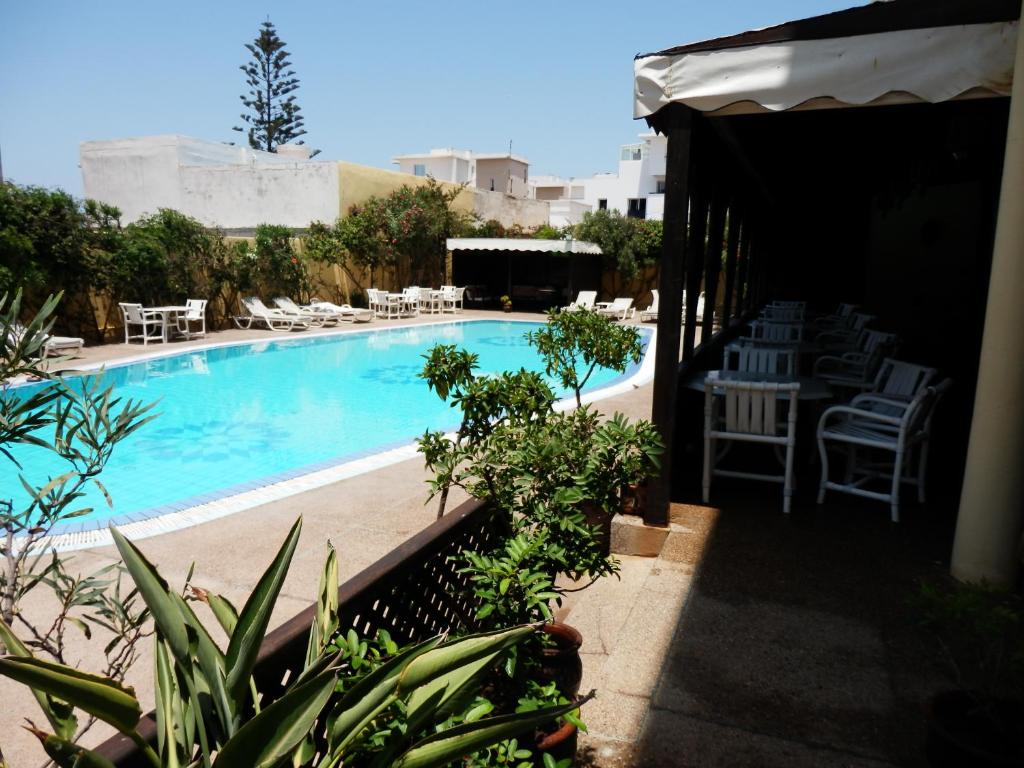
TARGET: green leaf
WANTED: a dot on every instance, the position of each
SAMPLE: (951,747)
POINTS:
(60,714)
(156,595)
(443,747)
(267,738)
(255,617)
(68,755)
(110,702)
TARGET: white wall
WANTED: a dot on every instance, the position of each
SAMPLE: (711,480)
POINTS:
(634,179)
(217,184)
(566,212)
(443,167)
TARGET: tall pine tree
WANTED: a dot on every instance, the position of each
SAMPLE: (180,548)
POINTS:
(273,117)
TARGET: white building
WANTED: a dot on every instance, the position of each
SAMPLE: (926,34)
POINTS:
(506,173)
(638,189)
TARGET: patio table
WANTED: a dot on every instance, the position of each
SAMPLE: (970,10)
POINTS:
(167,314)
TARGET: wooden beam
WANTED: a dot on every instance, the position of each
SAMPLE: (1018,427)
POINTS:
(699,202)
(679,132)
(713,258)
(731,252)
(743,288)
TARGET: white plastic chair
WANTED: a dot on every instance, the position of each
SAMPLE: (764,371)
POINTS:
(429,300)
(195,312)
(619,309)
(857,369)
(134,314)
(584,300)
(273,319)
(751,414)
(783,314)
(452,300)
(651,313)
(315,317)
(756,358)
(891,437)
(777,333)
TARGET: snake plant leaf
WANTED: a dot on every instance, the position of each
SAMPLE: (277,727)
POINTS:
(442,748)
(156,595)
(68,755)
(255,617)
(457,653)
(267,738)
(369,697)
(59,714)
(110,702)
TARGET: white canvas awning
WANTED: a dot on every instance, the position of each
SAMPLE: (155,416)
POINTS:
(932,64)
(521,244)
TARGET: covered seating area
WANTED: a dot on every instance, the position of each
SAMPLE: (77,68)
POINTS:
(855,158)
(534,274)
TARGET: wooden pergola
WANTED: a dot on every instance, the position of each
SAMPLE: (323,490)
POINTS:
(865,104)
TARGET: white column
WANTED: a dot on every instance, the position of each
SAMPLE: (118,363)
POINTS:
(991,517)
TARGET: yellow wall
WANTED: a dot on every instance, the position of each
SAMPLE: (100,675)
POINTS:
(358,183)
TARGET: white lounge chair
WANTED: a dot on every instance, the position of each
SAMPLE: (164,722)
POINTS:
(651,313)
(135,315)
(343,311)
(619,309)
(195,313)
(273,319)
(315,318)
(53,346)
(584,300)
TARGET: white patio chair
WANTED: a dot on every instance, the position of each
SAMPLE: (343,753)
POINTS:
(195,312)
(756,358)
(619,309)
(376,300)
(584,300)
(411,300)
(895,385)
(135,315)
(429,300)
(778,333)
(452,300)
(651,313)
(845,339)
(890,439)
(751,414)
(273,319)
(773,314)
(839,319)
(857,369)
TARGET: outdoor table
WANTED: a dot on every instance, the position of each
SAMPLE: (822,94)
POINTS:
(167,314)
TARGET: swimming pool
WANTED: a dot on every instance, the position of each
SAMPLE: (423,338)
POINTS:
(234,418)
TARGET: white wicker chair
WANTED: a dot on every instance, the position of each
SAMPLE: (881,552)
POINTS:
(751,415)
(891,431)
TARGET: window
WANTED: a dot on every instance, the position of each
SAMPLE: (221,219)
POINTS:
(637,208)
(602,204)
(419,170)
(661,186)
(633,152)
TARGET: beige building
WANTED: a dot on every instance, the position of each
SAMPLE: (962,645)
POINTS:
(506,173)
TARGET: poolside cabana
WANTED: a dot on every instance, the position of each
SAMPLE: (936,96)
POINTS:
(538,273)
(871,155)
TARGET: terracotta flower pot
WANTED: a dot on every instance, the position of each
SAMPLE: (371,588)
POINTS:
(561,662)
(559,744)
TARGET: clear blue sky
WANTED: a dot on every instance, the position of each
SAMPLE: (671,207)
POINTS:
(378,78)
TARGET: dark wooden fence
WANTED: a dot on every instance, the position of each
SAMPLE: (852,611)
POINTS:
(414,592)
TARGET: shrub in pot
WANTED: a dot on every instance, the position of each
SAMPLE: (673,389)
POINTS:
(979,633)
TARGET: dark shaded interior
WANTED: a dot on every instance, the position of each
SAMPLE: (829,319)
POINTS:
(535,280)
(892,208)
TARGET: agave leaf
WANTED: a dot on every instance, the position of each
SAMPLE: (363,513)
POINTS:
(110,702)
(223,610)
(60,714)
(452,744)
(156,595)
(325,623)
(68,755)
(255,617)
(268,737)
(169,729)
(211,665)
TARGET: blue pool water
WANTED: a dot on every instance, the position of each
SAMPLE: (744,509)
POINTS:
(235,418)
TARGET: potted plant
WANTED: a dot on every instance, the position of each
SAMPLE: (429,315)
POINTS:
(980,635)
(506,303)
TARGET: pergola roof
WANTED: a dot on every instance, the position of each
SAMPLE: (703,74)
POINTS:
(900,51)
(521,244)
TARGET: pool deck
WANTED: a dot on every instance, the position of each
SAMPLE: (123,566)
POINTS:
(364,516)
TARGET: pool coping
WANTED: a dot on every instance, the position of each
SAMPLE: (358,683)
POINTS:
(235,498)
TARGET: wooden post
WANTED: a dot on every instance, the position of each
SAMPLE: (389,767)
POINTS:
(695,264)
(448,268)
(743,288)
(713,260)
(670,302)
(731,251)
